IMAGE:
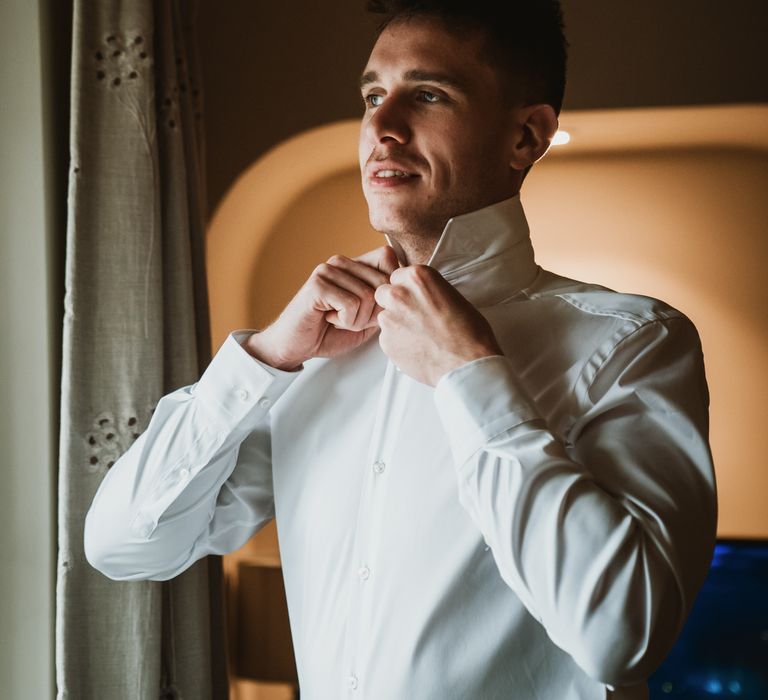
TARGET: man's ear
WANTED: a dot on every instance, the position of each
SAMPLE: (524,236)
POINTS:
(535,127)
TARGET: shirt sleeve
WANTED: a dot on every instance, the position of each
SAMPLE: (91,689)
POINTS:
(605,534)
(198,480)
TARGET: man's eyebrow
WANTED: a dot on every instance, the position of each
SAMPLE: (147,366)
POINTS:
(420,76)
(368,78)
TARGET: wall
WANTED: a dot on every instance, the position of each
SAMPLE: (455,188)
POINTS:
(30,315)
(686,226)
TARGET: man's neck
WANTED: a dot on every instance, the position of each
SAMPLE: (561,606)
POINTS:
(413,250)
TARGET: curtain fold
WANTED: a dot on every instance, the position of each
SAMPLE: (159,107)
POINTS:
(135,327)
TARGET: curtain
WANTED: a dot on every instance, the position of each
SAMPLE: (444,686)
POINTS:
(135,327)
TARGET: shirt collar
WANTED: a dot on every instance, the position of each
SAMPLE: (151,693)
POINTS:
(486,254)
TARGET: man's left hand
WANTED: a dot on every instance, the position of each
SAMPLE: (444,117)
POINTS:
(427,327)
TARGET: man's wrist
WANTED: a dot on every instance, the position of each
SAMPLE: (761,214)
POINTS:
(477,353)
(255,347)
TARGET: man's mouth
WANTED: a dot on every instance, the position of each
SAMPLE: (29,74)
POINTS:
(393,173)
(389,174)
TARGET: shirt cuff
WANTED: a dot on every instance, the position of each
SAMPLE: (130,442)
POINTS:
(237,388)
(479,400)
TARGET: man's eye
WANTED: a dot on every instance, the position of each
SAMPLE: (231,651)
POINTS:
(430,96)
(372,100)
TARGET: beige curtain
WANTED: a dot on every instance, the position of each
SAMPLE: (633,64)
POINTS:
(135,327)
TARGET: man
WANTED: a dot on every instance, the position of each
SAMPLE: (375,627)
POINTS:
(489,481)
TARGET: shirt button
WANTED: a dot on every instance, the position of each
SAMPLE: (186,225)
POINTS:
(378,466)
(183,473)
(265,402)
(242,394)
(363,572)
(352,681)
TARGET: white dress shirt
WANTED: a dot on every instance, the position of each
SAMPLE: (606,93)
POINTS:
(534,527)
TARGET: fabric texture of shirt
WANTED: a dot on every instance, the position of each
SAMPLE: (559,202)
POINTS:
(536,526)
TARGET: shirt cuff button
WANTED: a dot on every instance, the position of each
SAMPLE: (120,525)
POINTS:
(265,402)
(242,394)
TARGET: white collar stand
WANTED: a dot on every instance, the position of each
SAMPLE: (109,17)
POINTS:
(486,254)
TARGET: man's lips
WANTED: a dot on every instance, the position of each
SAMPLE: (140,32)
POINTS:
(390,173)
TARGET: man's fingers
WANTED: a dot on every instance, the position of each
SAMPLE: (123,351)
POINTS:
(333,318)
(420,274)
(331,298)
(388,294)
(343,292)
(366,272)
(383,259)
(381,295)
(359,277)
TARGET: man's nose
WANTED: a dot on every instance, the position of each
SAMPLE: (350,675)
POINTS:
(390,121)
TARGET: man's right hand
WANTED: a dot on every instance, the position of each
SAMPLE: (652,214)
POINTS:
(333,312)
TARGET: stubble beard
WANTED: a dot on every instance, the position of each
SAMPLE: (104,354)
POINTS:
(416,231)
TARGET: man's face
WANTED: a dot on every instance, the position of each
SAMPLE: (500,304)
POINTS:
(433,110)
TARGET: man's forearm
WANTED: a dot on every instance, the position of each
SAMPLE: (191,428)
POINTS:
(157,509)
(607,538)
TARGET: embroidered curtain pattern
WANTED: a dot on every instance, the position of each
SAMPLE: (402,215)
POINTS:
(135,328)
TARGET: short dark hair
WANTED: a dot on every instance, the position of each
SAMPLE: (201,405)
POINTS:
(525,39)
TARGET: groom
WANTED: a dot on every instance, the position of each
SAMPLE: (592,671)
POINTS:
(489,481)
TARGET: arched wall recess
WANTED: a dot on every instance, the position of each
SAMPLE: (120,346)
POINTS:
(666,202)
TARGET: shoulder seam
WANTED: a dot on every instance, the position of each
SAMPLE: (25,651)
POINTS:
(641,327)
(638,319)
(610,353)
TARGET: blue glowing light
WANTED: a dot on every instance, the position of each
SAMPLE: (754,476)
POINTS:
(713,686)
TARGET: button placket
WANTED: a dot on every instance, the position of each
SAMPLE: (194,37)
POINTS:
(371,512)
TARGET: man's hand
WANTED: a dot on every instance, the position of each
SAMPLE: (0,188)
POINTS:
(427,327)
(333,312)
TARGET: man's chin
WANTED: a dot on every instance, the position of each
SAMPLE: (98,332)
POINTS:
(394,220)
